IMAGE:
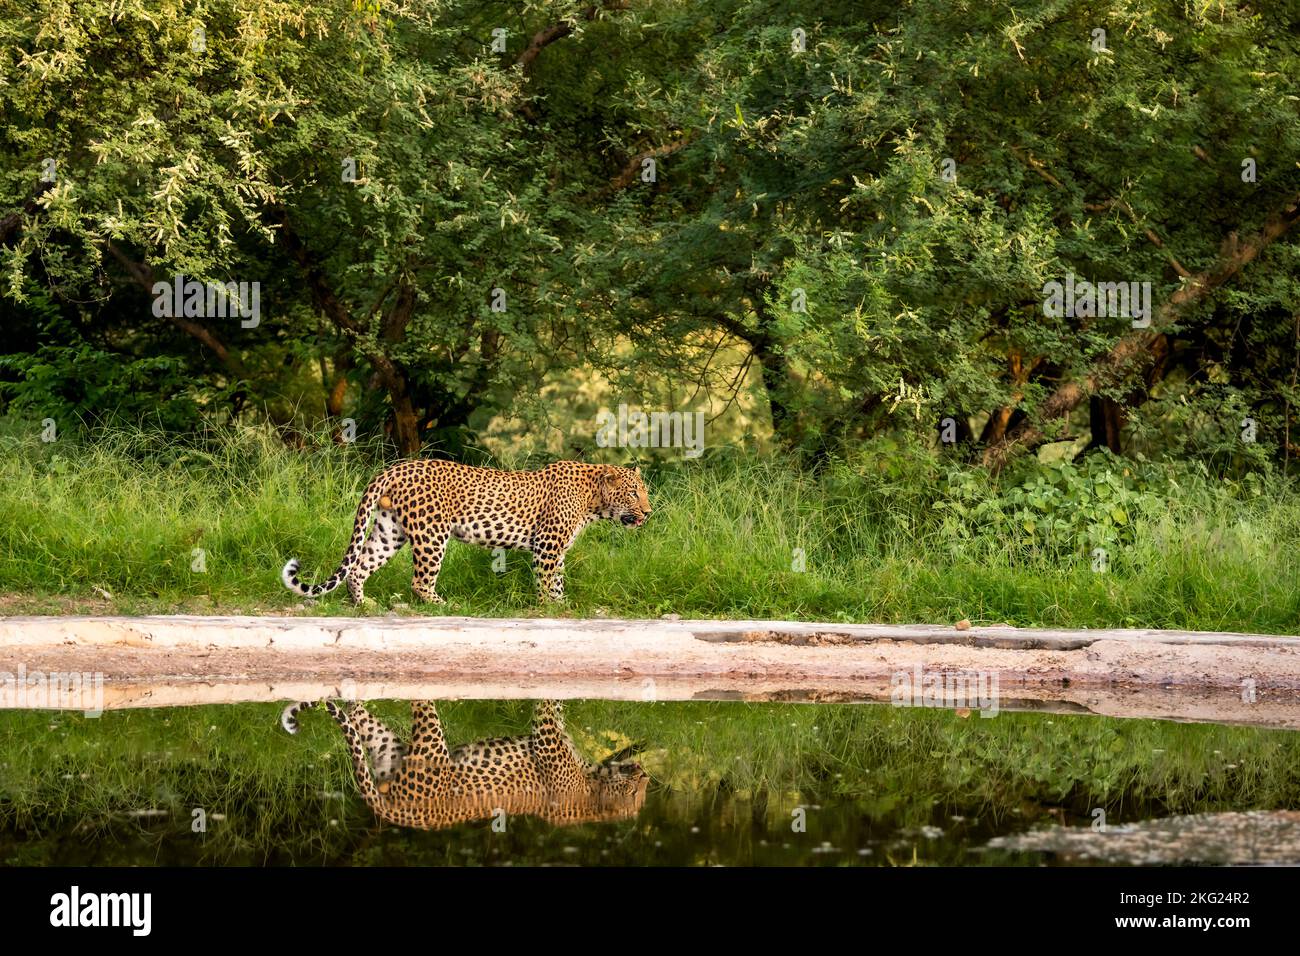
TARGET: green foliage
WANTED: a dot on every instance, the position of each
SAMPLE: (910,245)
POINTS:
(799,240)
(1063,508)
(89,386)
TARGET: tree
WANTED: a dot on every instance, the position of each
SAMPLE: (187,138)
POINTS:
(861,208)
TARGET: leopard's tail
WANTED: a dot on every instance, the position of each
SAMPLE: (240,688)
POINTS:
(289,716)
(361,767)
(289,574)
(357,749)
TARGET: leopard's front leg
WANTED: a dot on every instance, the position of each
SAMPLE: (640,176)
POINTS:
(555,592)
(548,566)
(428,545)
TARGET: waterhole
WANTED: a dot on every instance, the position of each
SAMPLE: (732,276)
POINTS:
(650,783)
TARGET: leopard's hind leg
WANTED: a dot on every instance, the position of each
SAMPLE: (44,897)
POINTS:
(382,746)
(386,751)
(385,540)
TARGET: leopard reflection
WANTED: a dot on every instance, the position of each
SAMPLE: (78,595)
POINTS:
(425,784)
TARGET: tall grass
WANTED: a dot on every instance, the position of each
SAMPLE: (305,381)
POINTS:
(889,535)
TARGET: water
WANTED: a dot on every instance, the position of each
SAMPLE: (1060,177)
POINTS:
(685,783)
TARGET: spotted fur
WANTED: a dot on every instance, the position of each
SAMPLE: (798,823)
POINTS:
(428,502)
(430,786)
(385,750)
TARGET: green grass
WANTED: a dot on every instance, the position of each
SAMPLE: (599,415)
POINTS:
(890,535)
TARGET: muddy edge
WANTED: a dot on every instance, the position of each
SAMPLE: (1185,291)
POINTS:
(180,660)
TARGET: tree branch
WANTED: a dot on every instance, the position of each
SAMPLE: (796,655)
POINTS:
(1147,231)
(558,31)
(544,38)
(322,293)
(142,274)
(1138,346)
(628,174)
(1038,167)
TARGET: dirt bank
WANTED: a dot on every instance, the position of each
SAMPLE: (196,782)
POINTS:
(157,661)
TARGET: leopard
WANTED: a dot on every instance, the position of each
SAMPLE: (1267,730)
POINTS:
(426,785)
(427,502)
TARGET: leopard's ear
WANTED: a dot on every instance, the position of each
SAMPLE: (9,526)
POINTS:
(637,471)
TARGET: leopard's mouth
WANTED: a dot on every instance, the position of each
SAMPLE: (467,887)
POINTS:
(632,520)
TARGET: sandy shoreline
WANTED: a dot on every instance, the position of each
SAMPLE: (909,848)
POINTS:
(185,660)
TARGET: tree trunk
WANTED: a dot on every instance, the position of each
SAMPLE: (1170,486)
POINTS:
(1002,418)
(777,375)
(406,426)
(1105,420)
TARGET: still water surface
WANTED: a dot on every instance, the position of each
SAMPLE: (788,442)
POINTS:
(617,783)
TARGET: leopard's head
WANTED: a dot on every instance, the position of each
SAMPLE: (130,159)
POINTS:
(619,787)
(621,496)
